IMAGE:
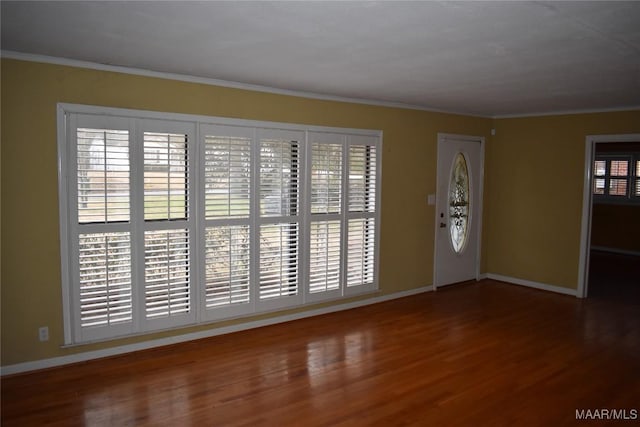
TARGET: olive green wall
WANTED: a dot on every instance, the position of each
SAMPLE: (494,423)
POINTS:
(534,169)
(616,226)
(533,203)
(31,289)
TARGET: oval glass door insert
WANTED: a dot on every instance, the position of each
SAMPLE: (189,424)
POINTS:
(459,203)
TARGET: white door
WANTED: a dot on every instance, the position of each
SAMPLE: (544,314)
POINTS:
(458,208)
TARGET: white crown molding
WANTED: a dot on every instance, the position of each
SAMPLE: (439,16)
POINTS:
(567,112)
(216,82)
(9,54)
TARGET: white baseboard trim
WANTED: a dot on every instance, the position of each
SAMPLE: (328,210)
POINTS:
(615,250)
(482,276)
(531,284)
(114,351)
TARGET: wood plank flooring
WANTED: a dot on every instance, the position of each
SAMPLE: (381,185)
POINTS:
(477,354)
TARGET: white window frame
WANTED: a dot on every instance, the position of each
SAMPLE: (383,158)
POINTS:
(632,178)
(196,127)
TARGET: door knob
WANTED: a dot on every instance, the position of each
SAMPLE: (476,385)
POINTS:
(443,225)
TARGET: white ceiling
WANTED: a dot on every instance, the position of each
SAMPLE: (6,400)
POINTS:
(484,58)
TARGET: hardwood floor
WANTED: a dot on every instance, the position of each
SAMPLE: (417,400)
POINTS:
(470,355)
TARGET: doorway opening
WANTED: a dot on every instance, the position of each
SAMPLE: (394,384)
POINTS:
(610,242)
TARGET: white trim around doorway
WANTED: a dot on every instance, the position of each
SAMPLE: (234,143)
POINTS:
(587,196)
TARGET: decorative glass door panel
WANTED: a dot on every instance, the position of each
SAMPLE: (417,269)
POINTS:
(459,203)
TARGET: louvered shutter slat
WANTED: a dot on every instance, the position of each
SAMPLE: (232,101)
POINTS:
(166,176)
(324,268)
(326,178)
(105,279)
(279,165)
(227,265)
(362,178)
(278,260)
(227,177)
(279,192)
(360,252)
(362,201)
(326,199)
(637,192)
(167,273)
(102,175)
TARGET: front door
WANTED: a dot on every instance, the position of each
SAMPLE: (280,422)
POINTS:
(458,207)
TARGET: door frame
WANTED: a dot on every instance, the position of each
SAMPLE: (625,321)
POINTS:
(587,203)
(442,138)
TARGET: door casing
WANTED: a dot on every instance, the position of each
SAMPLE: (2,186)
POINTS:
(443,186)
(587,202)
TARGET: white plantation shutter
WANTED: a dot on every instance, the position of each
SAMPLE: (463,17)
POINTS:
(363,206)
(618,182)
(105,289)
(637,192)
(172,220)
(280,169)
(167,273)
(278,260)
(227,175)
(325,226)
(362,178)
(361,252)
(168,246)
(227,172)
(615,178)
(326,177)
(103,175)
(279,177)
(324,254)
(100,194)
(599,172)
(166,176)
(227,266)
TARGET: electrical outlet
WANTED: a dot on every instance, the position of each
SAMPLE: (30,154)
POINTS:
(43,333)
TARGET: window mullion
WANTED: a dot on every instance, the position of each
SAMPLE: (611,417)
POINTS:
(254,227)
(137,224)
(304,213)
(607,177)
(344,215)
(199,233)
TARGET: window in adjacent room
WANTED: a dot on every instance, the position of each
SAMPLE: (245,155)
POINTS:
(616,178)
